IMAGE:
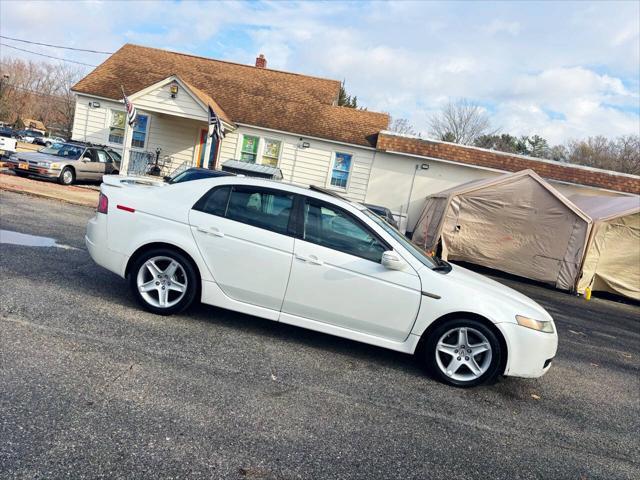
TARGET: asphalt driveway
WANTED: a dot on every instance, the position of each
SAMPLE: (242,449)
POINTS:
(92,387)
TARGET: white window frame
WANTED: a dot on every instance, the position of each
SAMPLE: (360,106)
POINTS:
(146,132)
(124,129)
(328,183)
(261,145)
(263,141)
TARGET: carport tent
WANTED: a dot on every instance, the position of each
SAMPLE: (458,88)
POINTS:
(516,223)
(612,258)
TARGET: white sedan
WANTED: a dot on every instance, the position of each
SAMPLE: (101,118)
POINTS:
(312,259)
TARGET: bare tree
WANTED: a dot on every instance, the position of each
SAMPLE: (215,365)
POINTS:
(402,126)
(38,90)
(460,121)
(621,154)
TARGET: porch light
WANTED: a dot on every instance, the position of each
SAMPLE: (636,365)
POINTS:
(174,90)
(94,104)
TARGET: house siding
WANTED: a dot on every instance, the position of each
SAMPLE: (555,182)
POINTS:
(307,166)
(159,100)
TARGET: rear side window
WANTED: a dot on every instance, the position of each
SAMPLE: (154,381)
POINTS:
(268,209)
(214,202)
(334,228)
(259,207)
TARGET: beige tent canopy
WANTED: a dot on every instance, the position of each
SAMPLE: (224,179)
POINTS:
(612,259)
(516,223)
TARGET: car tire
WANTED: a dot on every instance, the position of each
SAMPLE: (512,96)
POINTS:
(47,144)
(164,271)
(67,176)
(464,353)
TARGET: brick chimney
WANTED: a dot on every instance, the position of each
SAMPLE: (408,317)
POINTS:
(261,62)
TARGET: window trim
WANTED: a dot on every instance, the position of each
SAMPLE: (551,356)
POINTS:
(146,132)
(240,151)
(301,226)
(334,155)
(261,149)
(110,126)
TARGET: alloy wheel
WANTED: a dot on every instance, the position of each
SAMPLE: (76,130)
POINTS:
(463,354)
(162,282)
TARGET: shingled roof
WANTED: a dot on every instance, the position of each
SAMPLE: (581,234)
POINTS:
(290,102)
(481,157)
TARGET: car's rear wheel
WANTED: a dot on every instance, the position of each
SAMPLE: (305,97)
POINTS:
(163,281)
(67,176)
(464,353)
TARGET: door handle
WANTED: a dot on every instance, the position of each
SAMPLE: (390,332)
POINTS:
(312,259)
(211,231)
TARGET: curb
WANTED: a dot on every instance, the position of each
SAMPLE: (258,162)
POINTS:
(81,203)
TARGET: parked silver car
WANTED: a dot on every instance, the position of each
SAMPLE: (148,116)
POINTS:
(67,162)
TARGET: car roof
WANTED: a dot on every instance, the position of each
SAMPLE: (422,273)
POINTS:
(314,191)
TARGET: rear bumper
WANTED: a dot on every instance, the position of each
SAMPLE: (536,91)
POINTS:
(529,352)
(96,242)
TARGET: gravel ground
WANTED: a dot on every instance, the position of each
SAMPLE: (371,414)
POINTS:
(92,387)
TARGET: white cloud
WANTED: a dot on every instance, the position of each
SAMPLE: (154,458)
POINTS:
(546,68)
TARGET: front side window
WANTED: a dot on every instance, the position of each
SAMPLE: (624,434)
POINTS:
(249,150)
(116,127)
(139,131)
(271,152)
(334,228)
(341,169)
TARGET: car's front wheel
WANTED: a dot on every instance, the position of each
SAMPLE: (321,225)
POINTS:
(464,353)
(67,176)
(163,281)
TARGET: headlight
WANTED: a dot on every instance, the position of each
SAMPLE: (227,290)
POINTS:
(54,165)
(541,326)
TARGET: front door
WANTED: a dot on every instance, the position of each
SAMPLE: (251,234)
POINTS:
(209,162)
(243,233)
(337,277)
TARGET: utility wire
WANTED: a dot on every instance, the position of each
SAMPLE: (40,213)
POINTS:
(55,46)
(35,92)
(48,56)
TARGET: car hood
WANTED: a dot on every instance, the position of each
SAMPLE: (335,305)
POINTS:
(38,157)
(475,290)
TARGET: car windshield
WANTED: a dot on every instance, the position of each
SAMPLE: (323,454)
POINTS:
(413,250)
(71,152)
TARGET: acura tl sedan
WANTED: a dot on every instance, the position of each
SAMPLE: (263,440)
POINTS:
(309,258)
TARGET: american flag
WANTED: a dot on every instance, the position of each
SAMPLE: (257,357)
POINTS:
(130,108)
(217,132)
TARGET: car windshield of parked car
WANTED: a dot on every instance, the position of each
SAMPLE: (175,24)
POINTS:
(70,152)
(421,256)
(52,149)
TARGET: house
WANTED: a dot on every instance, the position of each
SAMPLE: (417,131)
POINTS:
(289,121)
(31,124)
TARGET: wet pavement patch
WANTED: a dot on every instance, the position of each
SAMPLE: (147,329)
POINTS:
(16,238)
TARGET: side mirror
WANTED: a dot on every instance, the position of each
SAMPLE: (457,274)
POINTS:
(393,261)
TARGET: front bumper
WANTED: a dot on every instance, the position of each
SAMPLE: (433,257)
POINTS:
(34,170)
(529,352)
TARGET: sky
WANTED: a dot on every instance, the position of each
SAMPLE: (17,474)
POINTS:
(562,70)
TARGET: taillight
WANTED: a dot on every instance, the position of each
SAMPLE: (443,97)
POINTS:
(103,203)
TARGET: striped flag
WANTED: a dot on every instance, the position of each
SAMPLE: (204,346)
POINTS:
(131,110)
(214,121)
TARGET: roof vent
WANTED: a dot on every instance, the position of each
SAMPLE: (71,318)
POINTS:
(261,62)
